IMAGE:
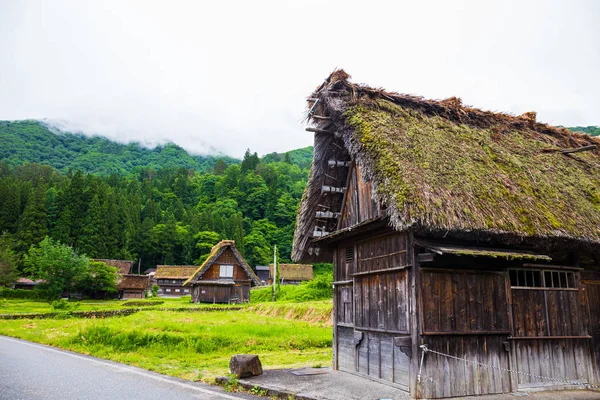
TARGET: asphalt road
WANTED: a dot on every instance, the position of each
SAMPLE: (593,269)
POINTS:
(32,371)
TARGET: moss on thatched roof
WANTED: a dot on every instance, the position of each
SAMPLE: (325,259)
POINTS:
(124,266)
(134,282)
(442,166)
(293,272)
(174,271)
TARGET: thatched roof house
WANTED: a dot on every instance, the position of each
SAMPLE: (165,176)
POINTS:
(224,277)
(466,232)
(170,279)
(175,271)
(124,266)
(292,273)
(133,286)
(447,168)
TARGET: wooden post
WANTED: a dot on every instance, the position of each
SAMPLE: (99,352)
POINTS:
(274,272)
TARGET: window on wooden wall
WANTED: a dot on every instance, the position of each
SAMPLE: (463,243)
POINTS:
(349,255)
(542,278)
(226,271)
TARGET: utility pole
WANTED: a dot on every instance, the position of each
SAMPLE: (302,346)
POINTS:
(274,272)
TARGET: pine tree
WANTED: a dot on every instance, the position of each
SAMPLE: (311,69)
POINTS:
(32,225)
(11,207)
(92,242)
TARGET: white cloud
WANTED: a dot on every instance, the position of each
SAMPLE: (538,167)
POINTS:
(225,76)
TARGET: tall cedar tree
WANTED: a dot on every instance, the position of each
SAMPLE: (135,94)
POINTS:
(8,261)
(33,223)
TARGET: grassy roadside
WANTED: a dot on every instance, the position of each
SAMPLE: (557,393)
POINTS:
(193,346)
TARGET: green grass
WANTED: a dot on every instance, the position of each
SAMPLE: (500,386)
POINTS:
(194,346)
(320,288)
(22,306)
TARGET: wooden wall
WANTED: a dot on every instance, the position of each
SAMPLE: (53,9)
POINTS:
(358,205)
(372,308)
(464,313)
(591,284)
(466,302)
(477,315)
(445,377)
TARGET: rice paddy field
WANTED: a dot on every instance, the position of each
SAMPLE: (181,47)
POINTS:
(189,345)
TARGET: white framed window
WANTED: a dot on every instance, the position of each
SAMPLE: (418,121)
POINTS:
(177,290)
(174,281)
(168,290)
(226,271)
(186,290)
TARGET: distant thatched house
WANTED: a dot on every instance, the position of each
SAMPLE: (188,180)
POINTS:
(292,274)
(170,279)
(224,277)
(133,286)
(124,266)
(474,233)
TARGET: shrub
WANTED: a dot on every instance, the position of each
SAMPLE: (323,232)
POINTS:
(140,303)
(64,305)
(35,294)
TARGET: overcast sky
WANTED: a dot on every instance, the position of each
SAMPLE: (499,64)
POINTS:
(223,76)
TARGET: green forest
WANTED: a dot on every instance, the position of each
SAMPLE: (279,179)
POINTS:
(590,130)
(108,200)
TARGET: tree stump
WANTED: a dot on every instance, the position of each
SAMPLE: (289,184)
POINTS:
(245,365)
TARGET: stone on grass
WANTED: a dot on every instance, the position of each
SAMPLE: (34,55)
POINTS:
(245,365)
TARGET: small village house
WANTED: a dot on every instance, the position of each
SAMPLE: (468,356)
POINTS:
(170,279)
(225,277)
(471,233)
(264,273)
(291,274)
(26,283)
(133,286)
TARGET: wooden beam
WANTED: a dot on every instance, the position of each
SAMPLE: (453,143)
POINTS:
(317,130)
(332,189)
(336,163)
(321,118)
(327,214)
(312,99)
(579,149)
(569,151)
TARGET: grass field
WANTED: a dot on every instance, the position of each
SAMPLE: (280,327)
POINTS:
(194,346)
(21,306)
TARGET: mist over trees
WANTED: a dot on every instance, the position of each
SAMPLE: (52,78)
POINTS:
(171,215)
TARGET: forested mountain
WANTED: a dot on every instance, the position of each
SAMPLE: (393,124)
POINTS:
(590,130)
(100,197)
(34,142)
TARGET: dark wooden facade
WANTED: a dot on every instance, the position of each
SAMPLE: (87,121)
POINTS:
(396,290)
(214,284)
(133,286)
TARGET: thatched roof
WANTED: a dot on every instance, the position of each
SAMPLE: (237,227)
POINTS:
(441,166)
(124,266)
(175,271)
(215,253)
(293,272)
(134,282)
